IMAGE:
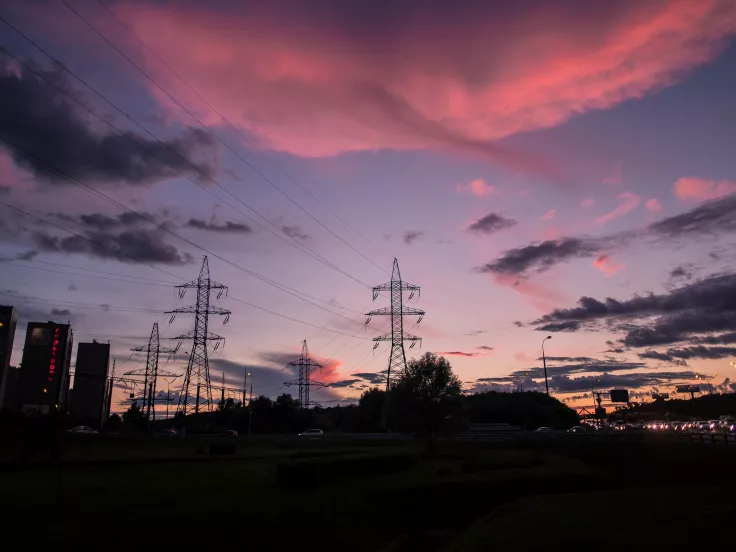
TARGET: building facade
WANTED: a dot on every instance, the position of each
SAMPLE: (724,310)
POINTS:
(8,321)
(44,371)
(90,383)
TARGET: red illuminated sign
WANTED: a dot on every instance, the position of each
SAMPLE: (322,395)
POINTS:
(54,351)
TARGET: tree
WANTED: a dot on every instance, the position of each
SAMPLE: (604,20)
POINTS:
(114,422)
(370,406)
(134,419)
(427,396)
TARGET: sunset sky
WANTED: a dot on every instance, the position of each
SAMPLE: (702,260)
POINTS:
(562,168)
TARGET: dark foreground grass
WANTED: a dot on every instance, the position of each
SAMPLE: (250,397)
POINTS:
(662,518)
(346,495)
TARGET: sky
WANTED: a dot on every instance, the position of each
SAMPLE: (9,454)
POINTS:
(558,168)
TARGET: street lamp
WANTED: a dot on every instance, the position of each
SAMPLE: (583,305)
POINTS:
(544,360)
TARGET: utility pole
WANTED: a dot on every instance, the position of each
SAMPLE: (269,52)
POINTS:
(197,374)
(544,360)
(245,383)
(152,350)
(397,311)
(397,335)
(222,392)
(305,366)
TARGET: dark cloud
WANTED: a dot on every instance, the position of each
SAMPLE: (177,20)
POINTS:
(371,377)
(142,245)
(72,287)
(460,353)
(708,219)
(567,359)
(539,257)
(585,365)
(567,326)
(295,233)
(701,313)
(101,221)
(5,190)
(681,272)
(411,236)
(475,333)
(344,383)
(491,223)
(717,291)
(565,384)
(694,351)
(485,348)
(60,312)
(518,324)
(24,256)
(37,118)
(227,227)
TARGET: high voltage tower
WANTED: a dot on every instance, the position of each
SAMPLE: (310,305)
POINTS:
(397,311)
(198,368)
(305,367)
(151,373)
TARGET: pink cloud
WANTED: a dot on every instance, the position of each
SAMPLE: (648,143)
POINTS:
(693,188)
(653,205)
(615,179)
(333,81)
(539,295)
(587,203)
(607,266)
(465,354)
(549,215)
(479,188)
(629,202)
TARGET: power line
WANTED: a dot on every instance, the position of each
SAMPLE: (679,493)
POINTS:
(77,267)
(90,240)
(79,304)
(12,262)
(293,243)
(231,125)
(165,228)
(166,272)
(290,318)
(203,125)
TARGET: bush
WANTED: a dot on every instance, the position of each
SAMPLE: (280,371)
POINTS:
(318,471)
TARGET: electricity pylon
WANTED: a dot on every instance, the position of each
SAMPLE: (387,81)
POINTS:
(305,367)
(198,367)
(397,311)
(152,350)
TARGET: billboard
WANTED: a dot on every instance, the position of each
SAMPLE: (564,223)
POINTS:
(620,395)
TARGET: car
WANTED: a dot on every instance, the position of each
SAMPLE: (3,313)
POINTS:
(171,431)
(312,433)
(230,433)
(544,430)
(82,429)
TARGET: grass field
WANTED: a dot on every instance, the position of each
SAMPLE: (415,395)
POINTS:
(117,492)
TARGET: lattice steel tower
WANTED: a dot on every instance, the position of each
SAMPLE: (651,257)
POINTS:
(152,350)
(305,366)
(198,368)
(397,311)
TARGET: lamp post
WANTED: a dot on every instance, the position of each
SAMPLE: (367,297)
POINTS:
(544,360)
(245,384)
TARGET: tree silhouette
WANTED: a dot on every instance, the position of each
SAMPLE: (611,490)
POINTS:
(427,396)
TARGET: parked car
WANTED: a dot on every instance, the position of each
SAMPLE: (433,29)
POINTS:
(82,429)
(230,433)
(171,432)
(544,430)
(311,433)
